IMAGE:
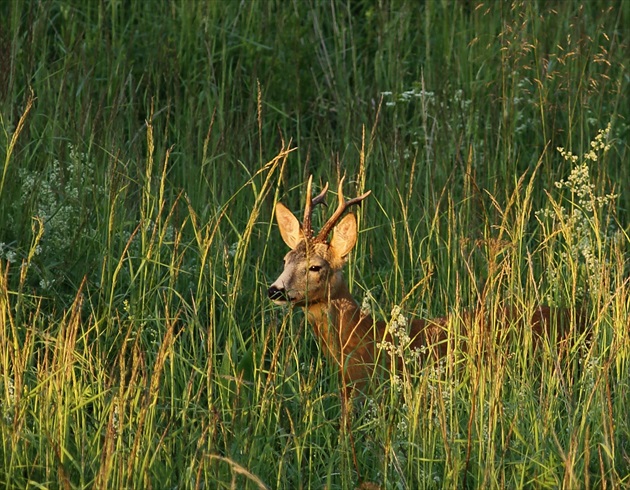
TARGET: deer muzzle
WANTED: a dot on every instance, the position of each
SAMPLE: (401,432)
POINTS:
(278,295)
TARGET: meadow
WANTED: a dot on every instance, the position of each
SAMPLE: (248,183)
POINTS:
(143,146)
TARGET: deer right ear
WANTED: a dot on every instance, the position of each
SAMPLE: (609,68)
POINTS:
(290,228)
(344,236)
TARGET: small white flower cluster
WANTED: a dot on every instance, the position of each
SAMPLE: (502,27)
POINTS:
(578,182)
(366,305)
(414,124)
(398,330)
(232,249)
(436,380)
(415,92)
(592,366)
(116,419)
(127,310)
(403,424)
(396,382)
(60,196)
(567,155)
(600,143)
(371,409)
(46,284)
(57,196)
(584,207)
(153,335)
(7,253)
(7,404)
(400,344)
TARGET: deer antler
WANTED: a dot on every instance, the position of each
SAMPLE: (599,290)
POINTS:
(310,204)
(341,208)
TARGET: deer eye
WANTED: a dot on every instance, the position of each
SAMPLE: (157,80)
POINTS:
(315,268)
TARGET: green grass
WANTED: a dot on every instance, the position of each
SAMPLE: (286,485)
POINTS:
(142,148)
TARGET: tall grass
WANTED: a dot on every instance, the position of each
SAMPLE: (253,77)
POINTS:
(142,148)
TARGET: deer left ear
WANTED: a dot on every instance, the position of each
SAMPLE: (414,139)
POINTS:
(289,225)
(344,236)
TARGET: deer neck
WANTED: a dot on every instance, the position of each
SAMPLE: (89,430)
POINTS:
(338,322)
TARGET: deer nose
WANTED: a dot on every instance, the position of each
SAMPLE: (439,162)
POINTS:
(276,293)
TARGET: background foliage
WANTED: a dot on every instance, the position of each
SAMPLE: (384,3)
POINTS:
(142,148)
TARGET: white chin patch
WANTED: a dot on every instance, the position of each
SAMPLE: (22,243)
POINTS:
(284,301)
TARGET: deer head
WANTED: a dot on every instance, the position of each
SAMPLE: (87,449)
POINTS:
(312,269)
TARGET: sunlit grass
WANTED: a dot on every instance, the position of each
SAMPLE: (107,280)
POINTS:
(142,149)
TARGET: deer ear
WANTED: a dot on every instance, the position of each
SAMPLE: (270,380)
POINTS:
(289,225)
(344,236)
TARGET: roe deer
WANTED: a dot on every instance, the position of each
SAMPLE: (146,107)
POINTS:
(312,278)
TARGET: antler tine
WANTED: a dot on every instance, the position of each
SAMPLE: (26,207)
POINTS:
(310,204)
(321,197)
(341,208)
